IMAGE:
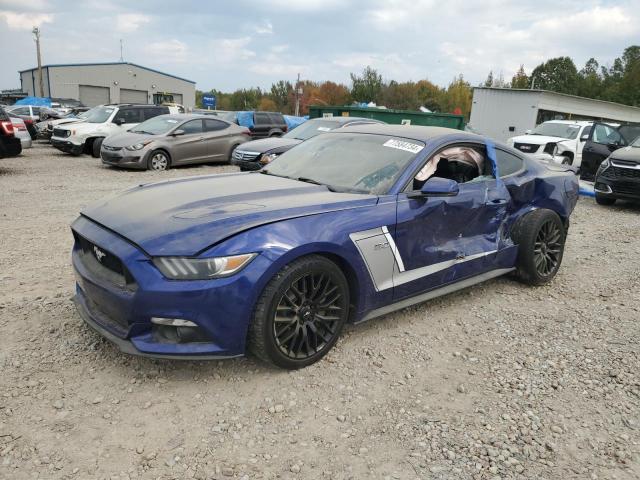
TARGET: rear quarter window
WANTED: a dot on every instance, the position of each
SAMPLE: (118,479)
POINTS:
(151,112)
(261,118)
(276,118)
(214,125)
(508,163)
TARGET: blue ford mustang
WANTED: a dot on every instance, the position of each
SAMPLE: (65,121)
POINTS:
(345,227)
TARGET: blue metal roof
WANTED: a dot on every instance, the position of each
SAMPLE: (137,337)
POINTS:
(107,63)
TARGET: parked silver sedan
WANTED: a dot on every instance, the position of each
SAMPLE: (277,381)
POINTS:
(171,140)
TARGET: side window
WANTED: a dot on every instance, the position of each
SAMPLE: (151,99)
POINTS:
(261,118)
(461,163)
(20,111)
(148,113)
(604,134)
(192,126)
(35,110)
(128,115)
(276,119)
(214,125)
(507,163)
(585,133)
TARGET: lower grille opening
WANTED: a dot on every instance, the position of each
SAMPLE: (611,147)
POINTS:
(170,334)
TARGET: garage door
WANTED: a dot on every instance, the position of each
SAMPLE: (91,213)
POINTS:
(133,96)
(177,98)
(92,96)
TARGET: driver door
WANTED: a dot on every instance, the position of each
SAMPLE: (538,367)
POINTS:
(440,240)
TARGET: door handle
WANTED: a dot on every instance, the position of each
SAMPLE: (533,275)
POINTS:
(201,139)
(499,201)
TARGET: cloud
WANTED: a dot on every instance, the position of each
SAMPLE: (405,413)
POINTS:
(232,50)
(265,28)
(25,21)
(130,22)
(169,51)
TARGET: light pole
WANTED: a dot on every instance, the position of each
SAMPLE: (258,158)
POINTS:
(36,37)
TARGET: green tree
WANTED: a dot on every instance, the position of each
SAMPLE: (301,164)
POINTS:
(245,99)
(280,94)
(557,74)
(520,79)
(367,87)
(489,81)
(458,96)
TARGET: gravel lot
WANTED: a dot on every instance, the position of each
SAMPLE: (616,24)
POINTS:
(500,381)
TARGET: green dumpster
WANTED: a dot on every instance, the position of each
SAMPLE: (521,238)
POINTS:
(398,117)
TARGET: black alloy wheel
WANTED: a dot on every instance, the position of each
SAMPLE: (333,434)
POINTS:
(308,316)
(300,313)
(548,248)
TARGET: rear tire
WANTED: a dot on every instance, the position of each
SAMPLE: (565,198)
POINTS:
(95,148)
(300,314)
(540,236)
(158,161)
(606,201)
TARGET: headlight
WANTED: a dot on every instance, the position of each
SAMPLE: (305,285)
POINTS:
(268,158)
(137,146)
(606,163)
(181,268)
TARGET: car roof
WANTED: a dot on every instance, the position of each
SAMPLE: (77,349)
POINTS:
(347,119)
(415,132)
(571,122)
(189,116)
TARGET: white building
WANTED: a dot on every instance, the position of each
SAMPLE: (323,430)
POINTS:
(501,113)
(100,83)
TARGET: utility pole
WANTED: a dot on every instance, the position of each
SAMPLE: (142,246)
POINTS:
(298,93)
(36,36)
(121,57)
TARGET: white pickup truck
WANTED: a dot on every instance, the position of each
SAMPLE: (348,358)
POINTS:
(560,141)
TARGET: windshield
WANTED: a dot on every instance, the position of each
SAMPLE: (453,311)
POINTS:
(561,130)
(156,125)
(310,129)
(354,162)
(98,114)
(636,143)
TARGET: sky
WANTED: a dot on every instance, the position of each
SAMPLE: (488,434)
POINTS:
(227,45)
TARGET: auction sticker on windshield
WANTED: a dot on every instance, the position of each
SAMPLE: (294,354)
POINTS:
(403,145)
(324,129)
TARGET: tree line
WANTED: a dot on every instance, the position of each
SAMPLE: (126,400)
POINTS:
(618,83)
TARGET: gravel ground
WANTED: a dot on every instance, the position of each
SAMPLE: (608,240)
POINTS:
(499,381)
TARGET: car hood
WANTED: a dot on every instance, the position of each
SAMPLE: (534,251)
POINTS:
(630,154)
(65,121)
(126,139)
(536,139)
(269,144)
(186,216)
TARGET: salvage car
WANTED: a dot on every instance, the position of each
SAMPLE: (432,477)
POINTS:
(20,131)
(347,226)
(173,140)
(10,145)
(618,176)
(603,140)
(256,154)
(561,141)
(45,128)
(87,136)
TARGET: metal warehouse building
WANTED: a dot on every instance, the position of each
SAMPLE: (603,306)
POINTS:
(501,113)
(99,83)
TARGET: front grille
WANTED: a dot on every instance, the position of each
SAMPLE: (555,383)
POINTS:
(526,147)
(620,172)
(114,322)
(61,132)
(626,188)
(242,155)
(103,263)
(111,158)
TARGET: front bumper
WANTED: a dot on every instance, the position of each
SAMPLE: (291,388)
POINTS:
(125,158)
(221,308)
(67,146)
(246,165)
(623,189)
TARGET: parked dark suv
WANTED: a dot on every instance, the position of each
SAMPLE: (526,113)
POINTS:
(604,139)
(266,124)
(10,145)
(618,176)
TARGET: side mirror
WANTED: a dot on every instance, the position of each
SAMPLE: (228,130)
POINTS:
(119,121)
(584,138)
(527,132)
(437,187)
(178,132)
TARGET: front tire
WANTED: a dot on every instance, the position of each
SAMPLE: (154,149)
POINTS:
(159,161)
(540,236)
(95,148)
(300,314)
(606,201)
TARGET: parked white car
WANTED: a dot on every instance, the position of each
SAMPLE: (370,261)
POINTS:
(560,141)
(87,136)
(21,132)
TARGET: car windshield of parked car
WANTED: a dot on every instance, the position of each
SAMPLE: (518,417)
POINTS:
(311,129)
(98,114)
(351,162)
(156,125)
(561,130)
(636,143)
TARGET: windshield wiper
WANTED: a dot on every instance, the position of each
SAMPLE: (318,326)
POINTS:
(309,180)
(141,131)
